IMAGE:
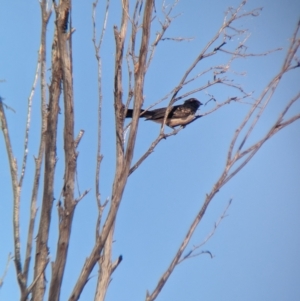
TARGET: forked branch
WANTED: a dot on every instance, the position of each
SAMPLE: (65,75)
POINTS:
(238,153)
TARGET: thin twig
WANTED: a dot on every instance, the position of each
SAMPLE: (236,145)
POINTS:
(46,13)
(31,286)
(29,107)
(16,197)
(6,269)
(191,253)
(77,200)
(97,48)
(250,54)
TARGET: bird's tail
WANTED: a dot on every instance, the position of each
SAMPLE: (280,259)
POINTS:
(145,114)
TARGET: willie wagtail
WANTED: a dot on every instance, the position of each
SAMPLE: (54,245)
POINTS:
(178,115)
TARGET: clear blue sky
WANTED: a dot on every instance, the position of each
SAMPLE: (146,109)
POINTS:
(257,245)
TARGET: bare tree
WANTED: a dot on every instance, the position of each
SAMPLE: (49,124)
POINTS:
(135,50)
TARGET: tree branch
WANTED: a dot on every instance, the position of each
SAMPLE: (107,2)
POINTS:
(62,13)
(38,161)
(50,135)
(123,163)
(16,195)
(227,174)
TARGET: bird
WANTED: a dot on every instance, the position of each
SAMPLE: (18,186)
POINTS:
(180,115)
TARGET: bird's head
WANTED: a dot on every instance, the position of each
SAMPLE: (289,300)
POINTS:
(195,103)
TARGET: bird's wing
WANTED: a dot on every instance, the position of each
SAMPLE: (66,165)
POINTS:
(181,111)
(157,114)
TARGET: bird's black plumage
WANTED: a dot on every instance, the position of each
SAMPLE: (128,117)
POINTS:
(178,115)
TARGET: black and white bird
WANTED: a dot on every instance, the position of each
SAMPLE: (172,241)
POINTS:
(180,115)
